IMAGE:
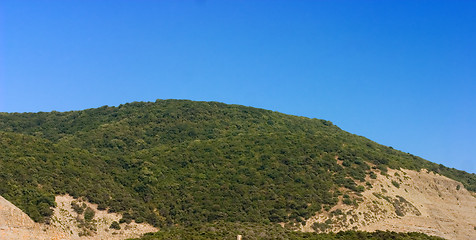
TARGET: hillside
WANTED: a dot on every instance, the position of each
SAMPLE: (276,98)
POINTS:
(182,162)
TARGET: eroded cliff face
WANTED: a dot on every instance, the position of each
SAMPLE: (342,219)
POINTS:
(405,201)
(65,223)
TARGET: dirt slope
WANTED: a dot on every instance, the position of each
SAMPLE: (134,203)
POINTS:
(14,224)
(65,224)
(406,201)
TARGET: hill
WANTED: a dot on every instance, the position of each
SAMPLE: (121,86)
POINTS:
(182,162)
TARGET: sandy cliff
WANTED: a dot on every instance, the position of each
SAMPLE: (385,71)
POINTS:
(65,224)
(407,201)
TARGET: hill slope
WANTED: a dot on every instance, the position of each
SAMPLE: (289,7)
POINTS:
(406,201)
(184,162)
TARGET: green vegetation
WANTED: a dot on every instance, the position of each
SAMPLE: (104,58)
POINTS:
(115,225)
(221,230)
(78,208)
(183,162)
(89,214)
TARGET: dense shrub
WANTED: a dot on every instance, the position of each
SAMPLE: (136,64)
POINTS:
(89,214)
(229,231)
(115,225)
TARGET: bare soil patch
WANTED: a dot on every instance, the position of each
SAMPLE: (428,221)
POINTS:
(406,201)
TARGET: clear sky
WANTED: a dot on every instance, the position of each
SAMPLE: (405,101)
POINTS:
(402,73)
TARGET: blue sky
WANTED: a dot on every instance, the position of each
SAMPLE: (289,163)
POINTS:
(402,73)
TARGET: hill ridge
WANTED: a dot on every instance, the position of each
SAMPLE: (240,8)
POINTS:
(183,162)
